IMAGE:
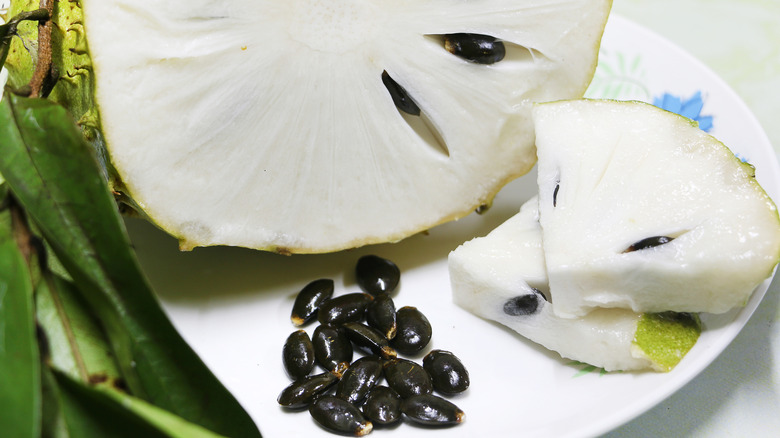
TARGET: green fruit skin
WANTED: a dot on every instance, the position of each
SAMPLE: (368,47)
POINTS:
(666,337)
(75,86)
(70,57)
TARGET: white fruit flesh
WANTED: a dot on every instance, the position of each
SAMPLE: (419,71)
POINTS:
(266,124)
(486,272)
(614,173)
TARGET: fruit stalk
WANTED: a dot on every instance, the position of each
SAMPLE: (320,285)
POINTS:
(44,77)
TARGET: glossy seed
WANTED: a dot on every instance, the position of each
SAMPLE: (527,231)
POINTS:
(399,95)
(345,308)
(481,49)
(382,405)
(298,355)
(407,378)
(302,392)
(526,304)
(359,378)
(331,347)
(309,299)
(432,410)
(380,314)
(340,416)
(413,330)
(369,339)
(555,194)
(377,275)
(447,372)
(649,242)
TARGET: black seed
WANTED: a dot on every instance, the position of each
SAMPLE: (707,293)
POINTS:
(413,331)
(369,338)
(649,242)
(302,392)
(431,410)
(340,416)
(377,275)
(688,319)
(447,372)
(359,378)
(555,194)
(400,97)
(344,308)
(382,405)
(524,304)
(331,347)
(483,208)
(298,355)
(407,378)
(380,314)
(481,49)
(309,299)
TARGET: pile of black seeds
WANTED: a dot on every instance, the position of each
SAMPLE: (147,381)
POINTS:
(349,397)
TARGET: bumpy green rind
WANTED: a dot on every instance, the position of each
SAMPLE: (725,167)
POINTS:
(665,338)
(74,89)
(76,84)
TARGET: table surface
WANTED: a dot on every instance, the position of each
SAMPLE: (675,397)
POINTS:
(738,395)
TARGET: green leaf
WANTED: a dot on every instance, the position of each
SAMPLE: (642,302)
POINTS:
(77,346)
(96,413)
(54,175)
(20,385)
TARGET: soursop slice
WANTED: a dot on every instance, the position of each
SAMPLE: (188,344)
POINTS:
(497,278)
(267,124)
(642,210)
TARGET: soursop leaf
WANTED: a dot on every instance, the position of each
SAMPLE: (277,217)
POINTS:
(53,173)
(20,384)
(76,344)
(94,413)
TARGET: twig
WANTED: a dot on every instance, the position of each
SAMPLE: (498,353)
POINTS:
(40,84)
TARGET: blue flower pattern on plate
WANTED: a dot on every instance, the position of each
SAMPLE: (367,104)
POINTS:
(690,108)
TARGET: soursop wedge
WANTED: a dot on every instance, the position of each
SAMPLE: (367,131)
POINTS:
(642,210)
(314,126)
(501,277)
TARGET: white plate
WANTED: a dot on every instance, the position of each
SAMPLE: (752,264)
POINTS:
(233,305)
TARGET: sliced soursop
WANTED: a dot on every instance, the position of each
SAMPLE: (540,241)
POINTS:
(312,126)
(642,210)
(501,277)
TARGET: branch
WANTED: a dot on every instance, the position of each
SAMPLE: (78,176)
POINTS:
(44,77)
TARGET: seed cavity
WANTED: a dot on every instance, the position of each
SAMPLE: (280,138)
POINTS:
(400,97)
(420,123)
(523,305)
(649,242)
(474,47)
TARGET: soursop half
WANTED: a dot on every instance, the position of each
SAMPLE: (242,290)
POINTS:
(642,210)
(310,125)
(502,277)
